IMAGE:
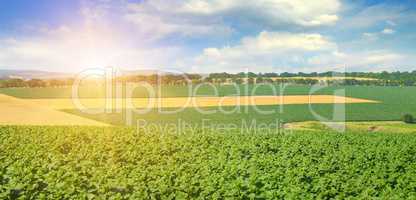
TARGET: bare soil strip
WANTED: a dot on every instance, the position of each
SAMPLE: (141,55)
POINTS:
(22,112)
(198,101)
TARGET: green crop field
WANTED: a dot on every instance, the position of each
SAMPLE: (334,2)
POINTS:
(207,99)
(165,91)
(372,92)
(393,103)
(306,161)
(85,163)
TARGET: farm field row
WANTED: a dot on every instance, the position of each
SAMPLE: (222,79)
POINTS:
(83,162)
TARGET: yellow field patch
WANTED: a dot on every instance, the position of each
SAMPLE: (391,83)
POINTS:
(174,102)
(16,111)
(24,112)
(358,127)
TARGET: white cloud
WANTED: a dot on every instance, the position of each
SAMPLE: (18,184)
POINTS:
(127,35)
(205,17)
(157,19)
(98,40)
(306,13)
(391,23)
(277,51)
(388,31)
(375,36)
(153,26)
(367,17)
(370,36)
(266,51)
(66,49)
(363,61)
(277,41)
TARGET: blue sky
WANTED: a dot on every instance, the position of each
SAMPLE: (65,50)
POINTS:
(208,35)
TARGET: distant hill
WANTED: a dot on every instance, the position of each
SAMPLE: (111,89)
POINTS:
(32,74)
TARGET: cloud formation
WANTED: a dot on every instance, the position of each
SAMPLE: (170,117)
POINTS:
(206,17)
(388,31)
(305,13)
(218,35)
(65,49)
(376,60)
(268,50)
(282,51)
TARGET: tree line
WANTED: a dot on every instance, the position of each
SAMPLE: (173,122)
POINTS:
(17,82)
(326,78)
(383,78)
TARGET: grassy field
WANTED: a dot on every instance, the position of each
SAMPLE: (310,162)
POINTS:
(84,163)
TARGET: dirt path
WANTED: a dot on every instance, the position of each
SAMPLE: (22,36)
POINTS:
(22,112)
